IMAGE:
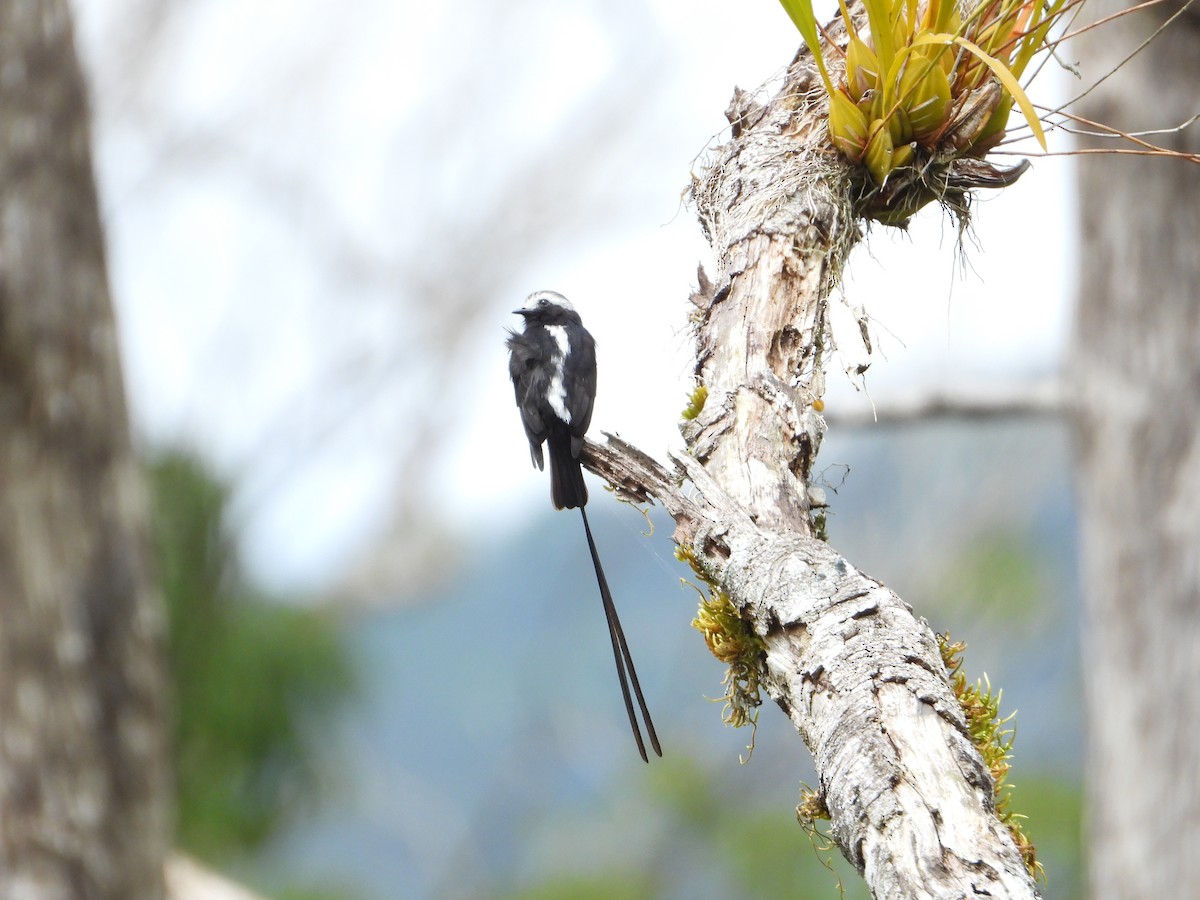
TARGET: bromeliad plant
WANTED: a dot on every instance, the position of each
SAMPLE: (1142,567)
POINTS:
(927,83)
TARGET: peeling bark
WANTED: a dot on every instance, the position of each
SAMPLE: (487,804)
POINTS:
(861,679)
(858,674)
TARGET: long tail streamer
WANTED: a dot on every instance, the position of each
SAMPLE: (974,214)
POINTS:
(621,653)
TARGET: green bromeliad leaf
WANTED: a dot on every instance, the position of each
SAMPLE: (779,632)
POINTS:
(909,76)
(1000,70)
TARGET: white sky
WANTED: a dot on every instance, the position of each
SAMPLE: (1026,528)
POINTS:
(205,279)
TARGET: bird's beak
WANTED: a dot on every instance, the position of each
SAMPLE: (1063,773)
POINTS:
(522,312)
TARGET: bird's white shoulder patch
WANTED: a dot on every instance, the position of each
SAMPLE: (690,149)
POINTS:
(557,394)
(559,333)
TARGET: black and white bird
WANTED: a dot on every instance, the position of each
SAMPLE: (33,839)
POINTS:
(552,363)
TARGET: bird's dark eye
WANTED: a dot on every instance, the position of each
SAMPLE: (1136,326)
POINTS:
(543,302)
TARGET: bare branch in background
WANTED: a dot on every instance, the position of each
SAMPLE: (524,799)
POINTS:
(955,402)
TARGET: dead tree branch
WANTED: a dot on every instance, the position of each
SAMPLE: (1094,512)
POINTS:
(859,675)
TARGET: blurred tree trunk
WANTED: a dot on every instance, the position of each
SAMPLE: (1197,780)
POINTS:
(1136,377)
(83,783)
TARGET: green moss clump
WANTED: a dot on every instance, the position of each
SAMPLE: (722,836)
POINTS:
(731,640)
(695,402)
(994,740)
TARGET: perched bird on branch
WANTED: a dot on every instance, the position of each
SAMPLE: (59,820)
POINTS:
(552,363)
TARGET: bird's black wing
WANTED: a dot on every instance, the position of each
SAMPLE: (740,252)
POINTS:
(580,378)
(531,380)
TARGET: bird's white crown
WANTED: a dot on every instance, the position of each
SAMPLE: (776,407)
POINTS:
(554,297)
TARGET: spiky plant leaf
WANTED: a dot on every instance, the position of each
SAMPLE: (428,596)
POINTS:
(802,16)
(1000,70)
(847,126)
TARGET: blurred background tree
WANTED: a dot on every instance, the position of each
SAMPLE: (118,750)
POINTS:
(253,677)
(84,782)
(1135,379)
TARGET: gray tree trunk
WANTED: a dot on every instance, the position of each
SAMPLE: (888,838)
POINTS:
(1135,369)
(861,678)
(83,783)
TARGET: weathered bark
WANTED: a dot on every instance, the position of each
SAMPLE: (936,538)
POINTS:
(1135,381)
(861,678)
(83,786)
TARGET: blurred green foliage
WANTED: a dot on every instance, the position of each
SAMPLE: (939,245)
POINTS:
(1054,809)
(999,574)
(596,887)
(251,678)
(713,843)
(758,849)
